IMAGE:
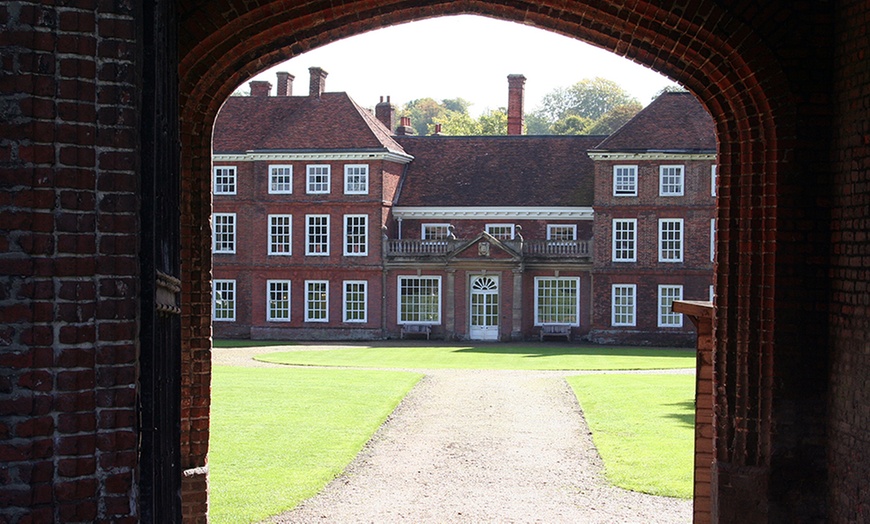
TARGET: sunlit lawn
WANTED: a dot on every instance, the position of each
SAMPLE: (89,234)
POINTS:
(489,356)
(643,428)
(279,435)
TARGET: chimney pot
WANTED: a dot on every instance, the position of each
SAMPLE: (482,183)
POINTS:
(516,96)
(260,88)
(405,127)
(285,84)
(318,81)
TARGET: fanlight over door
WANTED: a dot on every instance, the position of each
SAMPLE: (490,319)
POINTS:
(483,324)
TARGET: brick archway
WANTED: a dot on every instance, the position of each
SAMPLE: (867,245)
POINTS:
(717,54)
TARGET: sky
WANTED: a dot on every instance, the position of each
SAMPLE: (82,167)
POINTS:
(463,56)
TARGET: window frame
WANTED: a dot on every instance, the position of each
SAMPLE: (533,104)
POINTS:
(712,239)
(215,234)
(682,180)
(432,225)
(399,299)
(270,316)
(347,176)
(345,310)
(308,235)
(714,173)
(235,180)
(273,175)
(613,305)
(616,177)
(537,301)
(327,183)
(614,240)
(272,235)
(662,312)
(513,230)
(571,227)
(309,310)
(214,299)
(347,236)
(681,240)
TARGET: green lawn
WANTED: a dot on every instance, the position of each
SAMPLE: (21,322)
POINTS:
(279,435)
(490,356)
(643,427)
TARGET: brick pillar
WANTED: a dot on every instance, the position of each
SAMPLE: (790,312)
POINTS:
(260,88)
(516,100)
(285,84)
(384,112)
(701,315)
(317,83)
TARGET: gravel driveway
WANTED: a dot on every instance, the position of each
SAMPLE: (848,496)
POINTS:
(477,446)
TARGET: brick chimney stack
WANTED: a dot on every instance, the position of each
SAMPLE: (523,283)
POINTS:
(260,88)
(318,82)
(285,84)
(516,96)
(405,127)
(384,112)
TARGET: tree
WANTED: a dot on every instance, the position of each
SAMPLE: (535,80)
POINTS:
(460,124)
(614,119)
(493,122)
(571,125)
(565,109)
(458,105)
(423,113)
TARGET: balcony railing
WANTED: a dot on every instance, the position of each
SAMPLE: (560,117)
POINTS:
(529,248)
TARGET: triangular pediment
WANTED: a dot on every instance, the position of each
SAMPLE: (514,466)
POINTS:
(485,247)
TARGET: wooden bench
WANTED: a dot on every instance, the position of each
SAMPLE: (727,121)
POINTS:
(416,329)
(556,330)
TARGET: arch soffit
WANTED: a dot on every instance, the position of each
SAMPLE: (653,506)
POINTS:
(725,72)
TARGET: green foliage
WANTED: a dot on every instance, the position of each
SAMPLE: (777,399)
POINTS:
(572,125)
(490,356)
(643,427)
(493,122)
(614,119)
(278,436)
(591,106)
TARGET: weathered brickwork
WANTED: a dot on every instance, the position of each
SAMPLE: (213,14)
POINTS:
(790,325)
(68,263)
(849,417)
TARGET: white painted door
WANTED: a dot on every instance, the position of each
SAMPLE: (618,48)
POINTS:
(484,308)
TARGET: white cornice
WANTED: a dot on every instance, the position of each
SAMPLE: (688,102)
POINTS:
(315,156)
(650,155)
(484,212)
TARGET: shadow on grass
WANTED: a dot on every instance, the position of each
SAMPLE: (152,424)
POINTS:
(684,413)
(550,350)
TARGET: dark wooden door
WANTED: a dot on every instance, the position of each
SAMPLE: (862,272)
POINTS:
(160,335)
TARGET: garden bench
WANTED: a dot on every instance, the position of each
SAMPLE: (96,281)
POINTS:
(416,329)
(556,330)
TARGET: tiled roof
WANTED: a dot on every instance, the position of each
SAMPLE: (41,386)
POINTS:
(331,122)
(671,122)
(498,171)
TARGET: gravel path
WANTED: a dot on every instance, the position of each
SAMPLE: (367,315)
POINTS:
(476,446)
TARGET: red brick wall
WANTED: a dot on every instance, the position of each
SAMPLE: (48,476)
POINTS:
(695,273)
(68,262)
(849,417)
(790,277)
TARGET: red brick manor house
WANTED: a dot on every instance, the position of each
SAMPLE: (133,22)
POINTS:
(330,222)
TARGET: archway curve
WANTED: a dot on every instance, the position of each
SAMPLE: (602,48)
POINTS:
(707,49)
